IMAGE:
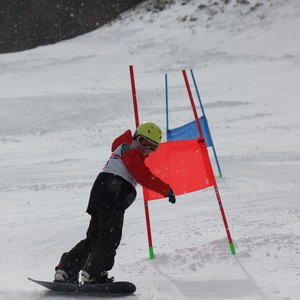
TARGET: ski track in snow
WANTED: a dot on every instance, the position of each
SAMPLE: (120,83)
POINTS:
(63,104)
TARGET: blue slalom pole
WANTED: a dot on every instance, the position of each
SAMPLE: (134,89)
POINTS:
(198,94)
(167,103)
(202,108)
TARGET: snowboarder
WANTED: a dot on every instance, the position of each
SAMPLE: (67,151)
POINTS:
(112,193)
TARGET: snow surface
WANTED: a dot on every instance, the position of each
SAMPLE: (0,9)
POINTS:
(63,104)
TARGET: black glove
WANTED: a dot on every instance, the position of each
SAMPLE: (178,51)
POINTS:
(171,197)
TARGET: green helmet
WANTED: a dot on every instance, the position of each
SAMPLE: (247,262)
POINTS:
(150,131)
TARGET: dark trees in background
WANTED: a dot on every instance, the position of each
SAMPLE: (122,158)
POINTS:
(26,24)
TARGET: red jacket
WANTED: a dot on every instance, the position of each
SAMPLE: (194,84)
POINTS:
(134,161)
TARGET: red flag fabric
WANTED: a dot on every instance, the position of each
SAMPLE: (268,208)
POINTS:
(184,164)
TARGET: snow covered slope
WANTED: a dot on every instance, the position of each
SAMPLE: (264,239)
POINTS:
(63,104)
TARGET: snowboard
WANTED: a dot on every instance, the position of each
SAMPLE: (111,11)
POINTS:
(113,288)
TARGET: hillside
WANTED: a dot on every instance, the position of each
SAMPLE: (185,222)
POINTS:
(62,105)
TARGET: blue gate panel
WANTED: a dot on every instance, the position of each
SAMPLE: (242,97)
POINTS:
(190,131)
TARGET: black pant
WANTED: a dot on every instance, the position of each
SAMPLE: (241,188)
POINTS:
(109,197)
(96,253)
(110,190)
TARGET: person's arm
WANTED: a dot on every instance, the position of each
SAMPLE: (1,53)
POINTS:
(134,162)
(126,137)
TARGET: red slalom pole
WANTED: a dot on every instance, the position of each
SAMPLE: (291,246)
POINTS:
(192,102)
(137,122)
(151,251)
(215,186)
(231,245)
(134,99)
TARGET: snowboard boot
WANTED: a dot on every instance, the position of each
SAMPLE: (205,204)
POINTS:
(64,277)
(60,276)
(86,278)
(64,273)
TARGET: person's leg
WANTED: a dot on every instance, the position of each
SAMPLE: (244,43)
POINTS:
(101,260)
(73,261)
